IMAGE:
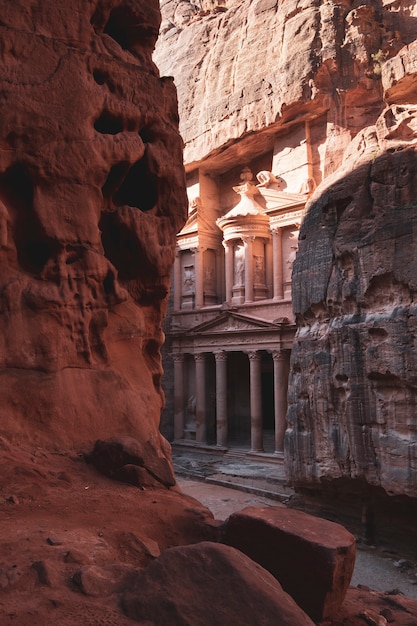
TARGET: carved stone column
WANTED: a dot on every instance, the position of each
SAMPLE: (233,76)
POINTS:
(177,280)
(248,243)
(178,396)
(256,426)
(199,277)
(269,269)
(221,398)
(228,268)
(200,386)
(277,263)
(280,397)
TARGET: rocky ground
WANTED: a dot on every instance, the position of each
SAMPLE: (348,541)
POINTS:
(73,539)
(379,568)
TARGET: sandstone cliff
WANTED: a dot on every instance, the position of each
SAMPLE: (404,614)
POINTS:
(91,196)
(353,381)
(262,67)
(337,81)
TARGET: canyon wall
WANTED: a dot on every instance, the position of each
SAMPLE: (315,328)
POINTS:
(327,90)
(92,192)
(353,381)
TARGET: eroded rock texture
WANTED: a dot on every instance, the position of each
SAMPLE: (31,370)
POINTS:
(353,381)
(92,194)
(266,65)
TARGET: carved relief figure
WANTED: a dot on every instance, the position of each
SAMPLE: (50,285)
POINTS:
(189,279)
(259,269)
(209,276)
(239,278)
(294,247)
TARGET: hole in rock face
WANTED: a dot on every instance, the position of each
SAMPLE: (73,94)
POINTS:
(108,283)
(147,135)
(124,251)
(33,247)
(135,187)
(138,189)
(99,77)
(115,178)
(108,124)
(102,78)
(123,27)
(378,333)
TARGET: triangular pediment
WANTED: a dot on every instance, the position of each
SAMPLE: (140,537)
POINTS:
(191,225)
(281,200)
(230,322)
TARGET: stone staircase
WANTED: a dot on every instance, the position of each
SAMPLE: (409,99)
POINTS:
(259,473)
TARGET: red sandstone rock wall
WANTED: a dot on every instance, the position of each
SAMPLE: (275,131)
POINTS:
(264,65)
(91,195)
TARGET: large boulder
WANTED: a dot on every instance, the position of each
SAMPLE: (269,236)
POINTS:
(209,583)
(91,196)
(312,558)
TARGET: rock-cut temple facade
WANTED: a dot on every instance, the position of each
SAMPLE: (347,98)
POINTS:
(231,327)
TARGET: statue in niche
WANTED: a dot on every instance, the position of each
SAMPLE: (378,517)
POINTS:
(189,278)
(240,271)
(291,256)
(270,181)
(209,276)
(259,269)
(294,247)
(191,413)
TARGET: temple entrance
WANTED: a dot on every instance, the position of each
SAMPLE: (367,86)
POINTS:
(238,400)
(268,410)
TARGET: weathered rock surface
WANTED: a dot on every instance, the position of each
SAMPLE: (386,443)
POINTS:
(269,64)
(91,196)
(352,389)
(128,460)
(209,583)
(312,558)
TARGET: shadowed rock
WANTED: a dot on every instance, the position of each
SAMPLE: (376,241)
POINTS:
(208,583)
(312,558)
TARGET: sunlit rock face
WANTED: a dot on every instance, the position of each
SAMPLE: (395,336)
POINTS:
(263,65)
(92,193)
(353,381)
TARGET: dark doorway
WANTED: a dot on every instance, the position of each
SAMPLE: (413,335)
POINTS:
(238,400)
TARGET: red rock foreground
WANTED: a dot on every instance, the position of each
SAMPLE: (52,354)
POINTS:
(79,548)
(210,583)
(297,547)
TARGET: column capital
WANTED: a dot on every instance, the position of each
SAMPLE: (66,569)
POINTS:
(201,356)
(197,249)
(254,355)
(278,355)
(275,229)
(248,238)
(178,357)
(221,355)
